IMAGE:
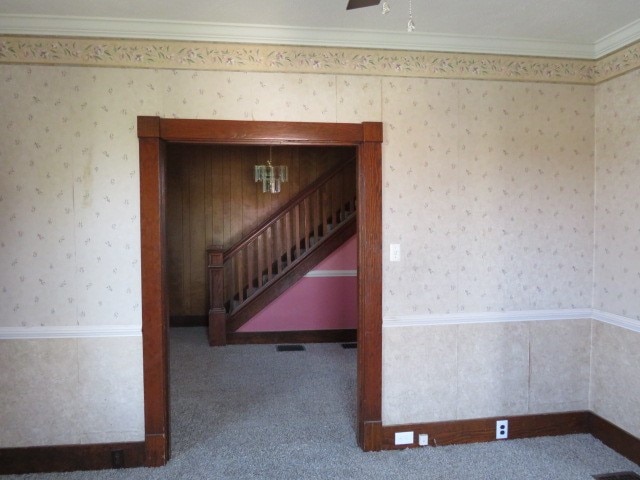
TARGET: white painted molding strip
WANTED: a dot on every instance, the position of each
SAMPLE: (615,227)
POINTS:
(331,273)
(487,317)
(102,331)
(288,35)
(507,317)
(70,331)
(617,320)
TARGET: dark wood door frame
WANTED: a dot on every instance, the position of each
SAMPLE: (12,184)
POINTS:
(154,134)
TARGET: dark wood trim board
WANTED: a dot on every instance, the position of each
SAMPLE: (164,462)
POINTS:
(302,336)
(178,321)
(66,458)
(154,134)
(523,426)
(484,429)
(615,438)
(127,455)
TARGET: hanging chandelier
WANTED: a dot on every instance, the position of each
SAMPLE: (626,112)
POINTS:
(271,176)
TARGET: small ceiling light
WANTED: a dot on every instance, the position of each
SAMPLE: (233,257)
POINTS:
(385,7)
(270,176)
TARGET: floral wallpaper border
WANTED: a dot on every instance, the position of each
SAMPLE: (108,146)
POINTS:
(618,63)
(299,59)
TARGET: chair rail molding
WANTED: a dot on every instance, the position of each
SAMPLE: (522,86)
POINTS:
(70,331)
(508,317)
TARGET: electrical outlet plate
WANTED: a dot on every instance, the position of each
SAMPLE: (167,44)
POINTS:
(502,429)
(423,439)
(404,438)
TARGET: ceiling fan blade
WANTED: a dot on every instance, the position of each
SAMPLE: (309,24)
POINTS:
(361,3)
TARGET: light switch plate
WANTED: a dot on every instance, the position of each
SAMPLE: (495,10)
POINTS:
(394,252)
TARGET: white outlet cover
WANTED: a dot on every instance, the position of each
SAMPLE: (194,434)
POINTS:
(404,438)
(423,439)
(502,429)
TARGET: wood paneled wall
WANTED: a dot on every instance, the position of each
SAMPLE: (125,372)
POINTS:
(212,199)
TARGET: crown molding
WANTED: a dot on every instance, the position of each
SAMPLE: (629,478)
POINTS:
(282,35)
(69,331)
(617,40)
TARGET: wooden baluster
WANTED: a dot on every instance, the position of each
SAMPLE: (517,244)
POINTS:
(334,203)
(307,223)
(317,217)
(324,209)
(230,285)
(312,224)
(240,276)
(278,244)
(331,203)
(269,248)
(260,266)
(250,268)
(287,238)
(310,216)
(339,195)
(217,313)
(296,226)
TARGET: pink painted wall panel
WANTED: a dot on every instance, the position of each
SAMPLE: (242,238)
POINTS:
(344,257)
(315,303)
(320,303)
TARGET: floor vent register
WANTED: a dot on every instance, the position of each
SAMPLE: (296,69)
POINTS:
(290,348)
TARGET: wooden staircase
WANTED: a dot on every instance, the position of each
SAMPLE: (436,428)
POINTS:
(246,277)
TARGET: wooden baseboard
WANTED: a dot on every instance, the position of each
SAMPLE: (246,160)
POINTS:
(484,429)
(615,438)
(66,458)
(523,426)
(304,336)
(188,321)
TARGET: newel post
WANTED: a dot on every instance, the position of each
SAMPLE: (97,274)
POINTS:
(217,313)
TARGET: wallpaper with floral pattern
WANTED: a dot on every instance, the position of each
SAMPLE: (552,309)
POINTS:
(616,289)
(617,223)
(69,203)
(488,187)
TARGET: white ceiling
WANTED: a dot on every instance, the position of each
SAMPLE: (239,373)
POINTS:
(565,28)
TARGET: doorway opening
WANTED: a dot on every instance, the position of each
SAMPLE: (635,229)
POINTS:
(155,134)
(224,230)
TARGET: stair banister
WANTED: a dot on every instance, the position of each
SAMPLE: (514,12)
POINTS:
(286,207)
(276,245)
